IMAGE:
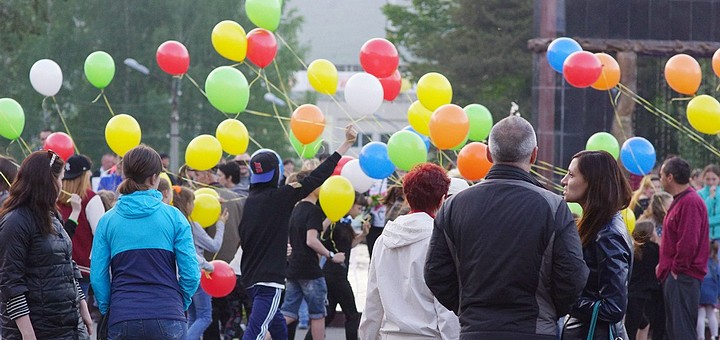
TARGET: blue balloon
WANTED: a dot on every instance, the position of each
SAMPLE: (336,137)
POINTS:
(425,139)
(638,156)
(559,49)
(375,161)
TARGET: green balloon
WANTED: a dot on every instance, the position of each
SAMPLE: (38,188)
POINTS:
(99,69)
(264,13)
(227,89)
(575,209)
(462,144)
(603,141)
(406,150)
(481,121)
(12,119)
(306,151)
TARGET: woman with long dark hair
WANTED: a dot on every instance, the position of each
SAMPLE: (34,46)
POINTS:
(594,180)
(39,292)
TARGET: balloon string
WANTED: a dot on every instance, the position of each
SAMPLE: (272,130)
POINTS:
(552,184)
(614,104)
(559,169)
(107,103)
(255,142)
(98,97)
(254,80)
(57,107)
(282,85)
(195,84)
(277,114)
(23,143)
(288,99)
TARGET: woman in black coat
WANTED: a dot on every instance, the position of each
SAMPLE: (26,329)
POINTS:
(594,180)
(39,293)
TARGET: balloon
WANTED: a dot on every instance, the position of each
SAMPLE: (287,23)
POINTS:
(354,173)
(307,123)
(481,122)
(472,161)
(207,210)
(323,76)
(262,47)
(716,62)
(229,40)
(683,74)
(264,13)
(406,150)
(575,208)
(46,77)
(610,74)
(173,58)
(233,136)
(391,86)
(341,163)
(375,161)
(638,156)
(227,89)
(419,118)
(122,133)
(582,69)
(207,191)
(220,282)
(603,141)
(462,144)
(61,144)
(99,69)
(12,119)
(363,93)
(336,197)
(203,152)
(449,125)
(703,113)
(629,218)
(379,57)
(425,139)
(434,90)
(306,151)
(559,49)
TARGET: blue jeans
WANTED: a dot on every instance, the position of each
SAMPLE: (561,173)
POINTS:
(312,291)
(199,314)
(265,315)
(148,329)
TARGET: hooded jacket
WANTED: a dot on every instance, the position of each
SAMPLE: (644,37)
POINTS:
(713,207)
(143,241)
(399,304)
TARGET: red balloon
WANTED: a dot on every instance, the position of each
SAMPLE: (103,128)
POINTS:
(582,69)
(391,86)
(220,282)
(262,47)
(379,57)
(173,58)
(61,144)
(341,164)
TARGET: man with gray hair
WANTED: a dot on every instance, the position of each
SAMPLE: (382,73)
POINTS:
(505,254)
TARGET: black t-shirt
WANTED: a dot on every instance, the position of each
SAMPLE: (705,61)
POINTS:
(304,262)
(643,281)
(338,238)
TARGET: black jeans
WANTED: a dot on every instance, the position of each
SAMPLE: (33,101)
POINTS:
(220,314)
(371,237)
(644,311)
(682,297)
(340,292)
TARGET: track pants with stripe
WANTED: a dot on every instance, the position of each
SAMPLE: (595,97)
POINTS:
(265,315)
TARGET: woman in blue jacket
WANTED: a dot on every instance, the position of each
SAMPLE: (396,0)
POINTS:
(148,245)
(711,178)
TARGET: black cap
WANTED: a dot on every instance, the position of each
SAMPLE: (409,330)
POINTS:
(76,166)
(262,167)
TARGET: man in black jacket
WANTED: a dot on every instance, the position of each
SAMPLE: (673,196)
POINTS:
(505,255)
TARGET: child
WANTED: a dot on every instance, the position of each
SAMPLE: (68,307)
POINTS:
(200,311)
(644,292)
(709,291)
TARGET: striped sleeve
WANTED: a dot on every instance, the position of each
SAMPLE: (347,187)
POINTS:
(17,307)
(81,295)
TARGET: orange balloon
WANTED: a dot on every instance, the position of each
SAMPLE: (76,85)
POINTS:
(610,75)
(716,62)
(449,125)
(683,74)
(472,161)
(307,123)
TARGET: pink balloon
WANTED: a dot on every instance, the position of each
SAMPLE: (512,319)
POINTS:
(173,58)
(379,57)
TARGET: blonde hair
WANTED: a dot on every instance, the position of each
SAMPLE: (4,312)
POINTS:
(108,198)
(644,185)
(78,185)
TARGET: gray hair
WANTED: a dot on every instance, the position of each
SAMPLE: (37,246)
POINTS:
(512,140)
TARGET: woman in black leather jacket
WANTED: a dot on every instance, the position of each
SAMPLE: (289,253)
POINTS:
(595,181)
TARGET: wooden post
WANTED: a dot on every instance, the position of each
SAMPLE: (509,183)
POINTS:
(622,124)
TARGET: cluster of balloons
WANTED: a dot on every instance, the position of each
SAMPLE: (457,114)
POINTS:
(637,154)
(581,68)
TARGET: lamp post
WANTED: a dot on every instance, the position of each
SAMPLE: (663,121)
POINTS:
(175,92)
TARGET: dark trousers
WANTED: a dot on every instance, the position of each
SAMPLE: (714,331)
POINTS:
(643,311)
(371,237)
(340,292)
(265,315)
(220,314)
(682,296)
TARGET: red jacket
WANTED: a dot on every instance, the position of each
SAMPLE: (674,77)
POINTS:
(83,238)
(685,244)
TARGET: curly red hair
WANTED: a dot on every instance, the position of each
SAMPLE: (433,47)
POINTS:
(425,186)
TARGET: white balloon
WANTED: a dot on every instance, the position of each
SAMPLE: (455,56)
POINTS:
(363,93)
(46,77)
(360,181)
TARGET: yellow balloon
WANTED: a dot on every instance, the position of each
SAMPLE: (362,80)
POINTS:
(122,133)
(703,113)
(229,40)
(629,218)
(165,176)
(233,136)
(207,210)
(323,76)
(405,85)
(419,118)
(336,197)
(203,152)
(207,191)
(434,90)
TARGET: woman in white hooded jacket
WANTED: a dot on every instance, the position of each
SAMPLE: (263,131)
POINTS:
(399,304)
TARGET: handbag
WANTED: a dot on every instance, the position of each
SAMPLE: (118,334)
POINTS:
(593,324)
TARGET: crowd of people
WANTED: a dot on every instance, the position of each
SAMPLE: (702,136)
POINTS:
(117,252)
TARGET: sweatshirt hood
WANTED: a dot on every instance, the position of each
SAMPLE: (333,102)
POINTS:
(139,204)
(407,229)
